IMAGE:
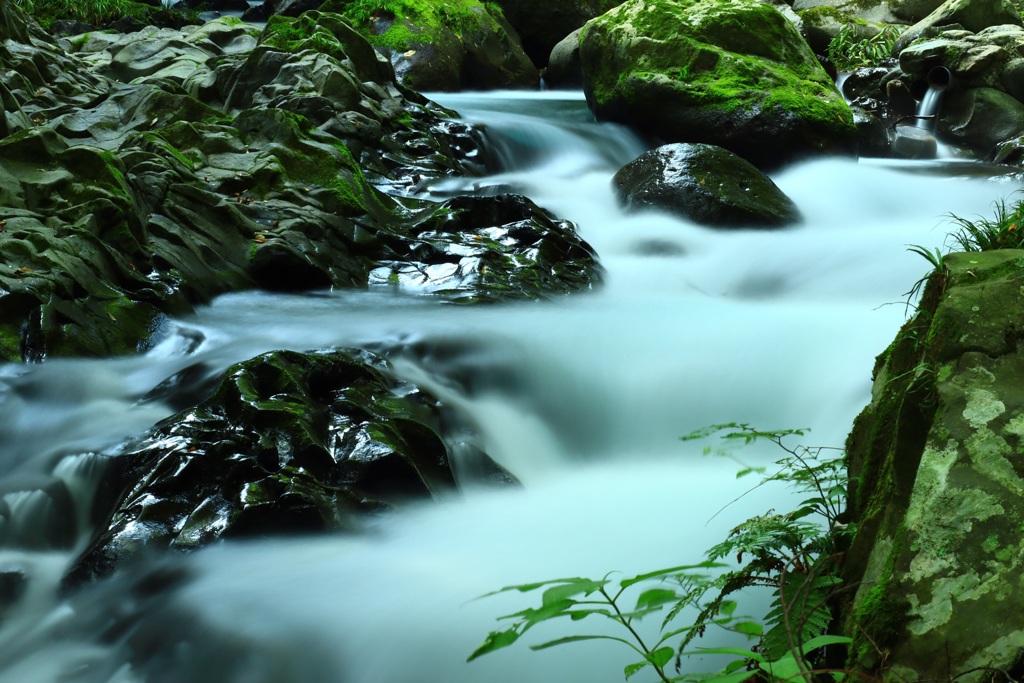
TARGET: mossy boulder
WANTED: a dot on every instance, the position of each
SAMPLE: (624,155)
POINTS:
(234,158)
(288,442)
(449,46)
(937,554)
(734,74)
(705,184)
(969,15)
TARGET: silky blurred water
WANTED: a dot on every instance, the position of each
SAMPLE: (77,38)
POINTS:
(582,399)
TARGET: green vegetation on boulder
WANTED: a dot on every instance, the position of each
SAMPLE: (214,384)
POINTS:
(938,551)
(447,46)
(735,74)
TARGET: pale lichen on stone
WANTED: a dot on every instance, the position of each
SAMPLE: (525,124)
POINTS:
(983,406)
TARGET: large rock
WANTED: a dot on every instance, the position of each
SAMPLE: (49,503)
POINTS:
(705,184)
(735,74)
(937,556)
(982,118)
(971,15)
(224,158)
(445,47)
(542,24)
(288,442)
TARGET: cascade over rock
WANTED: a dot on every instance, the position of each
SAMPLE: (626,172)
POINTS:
(706,184)
(287,442)
(937,555)
(735,74)
(982,107)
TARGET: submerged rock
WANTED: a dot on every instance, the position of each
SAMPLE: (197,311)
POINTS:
(937,555)
(706,184)
(288,442)
(735,74)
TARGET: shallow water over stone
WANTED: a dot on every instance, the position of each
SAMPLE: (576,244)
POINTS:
(582,399)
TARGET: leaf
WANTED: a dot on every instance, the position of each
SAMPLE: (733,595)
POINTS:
(635,667)
(737,651)
(734,677)
(823,641)
(578,614)
(557,594)
(659,573)
(495,641)
(750,628)
(655,598)
(661,656)
(576,639)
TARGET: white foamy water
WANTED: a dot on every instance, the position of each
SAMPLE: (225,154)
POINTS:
(583,399)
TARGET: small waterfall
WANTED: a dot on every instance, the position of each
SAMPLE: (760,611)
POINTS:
(919,141)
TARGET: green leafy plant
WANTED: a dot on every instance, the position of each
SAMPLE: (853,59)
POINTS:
(104,12)
(1003,231)
(790,553)
(847,51)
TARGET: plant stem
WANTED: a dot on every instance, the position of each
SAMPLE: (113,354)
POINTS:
(625,622)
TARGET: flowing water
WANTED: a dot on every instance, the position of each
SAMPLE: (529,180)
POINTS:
(583,399)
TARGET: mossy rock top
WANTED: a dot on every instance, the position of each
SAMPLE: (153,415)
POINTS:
(736,74)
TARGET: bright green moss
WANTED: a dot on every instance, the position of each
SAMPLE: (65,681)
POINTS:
(413,20)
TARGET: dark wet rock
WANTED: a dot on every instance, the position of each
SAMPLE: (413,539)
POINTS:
(737,75)
(142,174)
(705,184)
(935,561)
(542,25)
(565,70)
(866,82)
(874,138)
(475,249)
(288,442)
(982,118)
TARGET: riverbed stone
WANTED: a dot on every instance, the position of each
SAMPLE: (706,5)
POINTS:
(936,558)
(982,118)
(737,75)
(288,442)
(705,184)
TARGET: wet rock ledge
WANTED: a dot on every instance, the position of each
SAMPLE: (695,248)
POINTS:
(142,174)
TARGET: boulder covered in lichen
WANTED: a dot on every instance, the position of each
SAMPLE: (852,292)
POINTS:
(735,74)
(938,490)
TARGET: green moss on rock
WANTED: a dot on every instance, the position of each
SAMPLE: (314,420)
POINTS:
(735,74)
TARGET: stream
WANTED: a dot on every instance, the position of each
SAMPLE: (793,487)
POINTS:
(583,399)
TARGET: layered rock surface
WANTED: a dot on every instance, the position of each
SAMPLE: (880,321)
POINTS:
(142,174)
(937,554)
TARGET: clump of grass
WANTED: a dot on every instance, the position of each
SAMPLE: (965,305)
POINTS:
(848,52)
(103,12)
(1003,231)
